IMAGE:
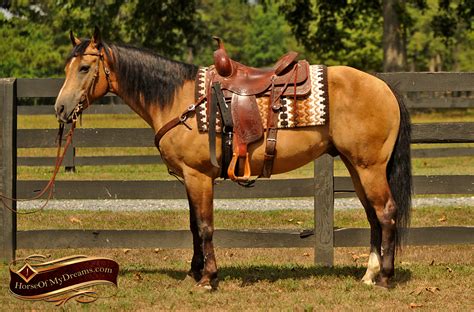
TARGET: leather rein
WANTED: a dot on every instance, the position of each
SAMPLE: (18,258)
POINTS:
(76,113)
(50,185)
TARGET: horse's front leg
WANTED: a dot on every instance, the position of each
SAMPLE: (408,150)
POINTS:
(200,188)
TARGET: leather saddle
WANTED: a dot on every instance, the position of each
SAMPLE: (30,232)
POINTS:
(236,87)
(245,80)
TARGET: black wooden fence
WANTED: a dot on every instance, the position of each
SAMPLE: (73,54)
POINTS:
(323,187)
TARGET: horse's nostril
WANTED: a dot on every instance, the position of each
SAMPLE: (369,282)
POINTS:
(61,109)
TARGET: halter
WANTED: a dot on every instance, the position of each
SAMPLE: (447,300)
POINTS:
(84,97)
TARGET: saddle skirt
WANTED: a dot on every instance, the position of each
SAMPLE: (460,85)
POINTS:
(310,110)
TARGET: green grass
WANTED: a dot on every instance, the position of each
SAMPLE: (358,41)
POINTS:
(109,172)
(448,115)
(90,151)
(88,121)
(228,219)
(275,279)
(264,279)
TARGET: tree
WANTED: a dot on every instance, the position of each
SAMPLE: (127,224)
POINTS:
(228,20)
(435,47)
(265,37)
(170,27)
(28,50)
(332,27)
(338,31)
(394,37)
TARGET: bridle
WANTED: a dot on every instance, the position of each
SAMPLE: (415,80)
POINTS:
(91,83)
(60,156)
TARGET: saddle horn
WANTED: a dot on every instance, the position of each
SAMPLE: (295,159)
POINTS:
(222,61)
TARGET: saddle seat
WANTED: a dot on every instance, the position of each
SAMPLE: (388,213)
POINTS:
(245,80)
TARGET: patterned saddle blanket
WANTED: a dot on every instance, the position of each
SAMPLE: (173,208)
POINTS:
(304,112)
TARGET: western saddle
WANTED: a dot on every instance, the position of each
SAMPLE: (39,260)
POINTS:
(233,89)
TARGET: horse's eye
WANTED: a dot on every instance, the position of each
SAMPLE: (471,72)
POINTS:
(84,68)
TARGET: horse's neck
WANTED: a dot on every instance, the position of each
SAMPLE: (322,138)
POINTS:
(157,115)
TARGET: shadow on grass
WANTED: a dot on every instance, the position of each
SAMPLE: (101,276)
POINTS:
(249,275)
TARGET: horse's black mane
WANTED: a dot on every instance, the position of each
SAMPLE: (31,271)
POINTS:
(143,73)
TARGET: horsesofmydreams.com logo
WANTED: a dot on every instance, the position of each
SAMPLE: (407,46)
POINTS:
(74,277)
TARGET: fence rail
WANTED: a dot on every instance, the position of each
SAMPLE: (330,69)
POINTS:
(324,187)
(274,188)
(343,237)
(461,132)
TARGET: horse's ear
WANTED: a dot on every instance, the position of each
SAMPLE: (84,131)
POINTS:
(96,38)
(75,41)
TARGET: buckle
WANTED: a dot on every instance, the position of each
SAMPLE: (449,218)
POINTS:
(184,116)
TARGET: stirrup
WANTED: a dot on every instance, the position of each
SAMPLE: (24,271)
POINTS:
(233,164)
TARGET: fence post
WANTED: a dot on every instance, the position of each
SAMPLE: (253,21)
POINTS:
(324,210)
(8,167)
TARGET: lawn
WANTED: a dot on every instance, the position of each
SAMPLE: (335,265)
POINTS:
(227,219)
(427,277)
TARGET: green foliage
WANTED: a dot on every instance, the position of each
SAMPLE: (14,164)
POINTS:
(253,34)
(39,30)
(338,32)
(429,50)
(265,37)
(452,17)
(227,20)
(169,27)
(28,50)
(350,32)
(439,32)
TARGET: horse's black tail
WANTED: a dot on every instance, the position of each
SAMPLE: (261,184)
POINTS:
(399,173)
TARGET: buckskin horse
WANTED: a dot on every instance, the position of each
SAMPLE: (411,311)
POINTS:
(368,126)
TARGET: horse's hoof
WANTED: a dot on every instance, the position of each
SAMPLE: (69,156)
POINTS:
(196,276)
(368,282)
(205,287)
(188,281)
(383,284)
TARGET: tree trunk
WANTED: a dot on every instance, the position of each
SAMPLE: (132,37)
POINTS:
(394,48)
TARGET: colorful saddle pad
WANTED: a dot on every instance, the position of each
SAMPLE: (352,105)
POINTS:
(304,112)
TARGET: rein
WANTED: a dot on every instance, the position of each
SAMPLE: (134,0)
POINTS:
(50,186)
(76,113)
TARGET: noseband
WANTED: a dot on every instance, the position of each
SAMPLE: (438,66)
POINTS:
(91,82)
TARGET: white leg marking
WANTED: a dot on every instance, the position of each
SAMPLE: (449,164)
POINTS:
(373,268)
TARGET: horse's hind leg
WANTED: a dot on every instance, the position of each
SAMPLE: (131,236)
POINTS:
(375,261)
(199,188)
(373,180)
